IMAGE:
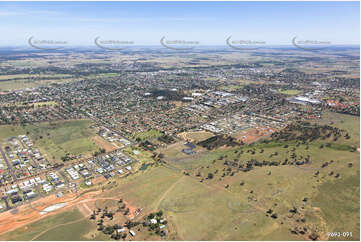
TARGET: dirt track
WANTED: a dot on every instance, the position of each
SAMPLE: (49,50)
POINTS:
(27,214)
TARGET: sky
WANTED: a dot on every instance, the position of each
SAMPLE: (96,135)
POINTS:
(209,23)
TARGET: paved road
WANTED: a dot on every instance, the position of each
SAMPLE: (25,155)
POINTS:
(35,163)
(38,190)
(8,164)
(22,144)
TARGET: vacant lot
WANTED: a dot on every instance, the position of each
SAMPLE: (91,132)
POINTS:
(290,91)
(195,136)
(151,134)
(59,138)
(56,139)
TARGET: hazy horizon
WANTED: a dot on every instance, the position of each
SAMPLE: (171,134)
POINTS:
(209,23)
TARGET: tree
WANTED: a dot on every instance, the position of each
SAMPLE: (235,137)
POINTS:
(210,176)
(160,213)
(109,230)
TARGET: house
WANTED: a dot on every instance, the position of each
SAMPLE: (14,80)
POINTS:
(84,172)
(190,145)
(72,173)
(30,194)
(107,176)
(188,151)
(16,199)
(47,187)
(12,191)
(60,184)
(153,221)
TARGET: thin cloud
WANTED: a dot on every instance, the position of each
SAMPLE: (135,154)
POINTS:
(30,13)
(131,19)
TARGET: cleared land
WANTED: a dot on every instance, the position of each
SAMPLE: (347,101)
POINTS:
(290,91)
(56,139)
(195,136)
(151,134)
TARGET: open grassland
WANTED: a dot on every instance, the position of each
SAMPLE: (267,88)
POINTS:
(290,91)
(343,121)
(340,203)
(6,131)
(11,85)
(30,76)
(36,105)
(144,189)
(22,81)
(56,139)
(174,152)
(195,136)
(59,138)
(332,203)
(151,134)
(209,211)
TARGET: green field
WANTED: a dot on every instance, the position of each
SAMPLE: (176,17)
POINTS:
(22,81)
(290,91)
(57,138)
(6,131)
(148,135)
(12,85)
(343,121)
(197,136)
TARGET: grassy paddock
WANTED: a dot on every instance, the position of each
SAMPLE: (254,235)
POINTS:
(56,138)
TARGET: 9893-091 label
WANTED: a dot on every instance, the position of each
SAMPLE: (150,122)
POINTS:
(339,234)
